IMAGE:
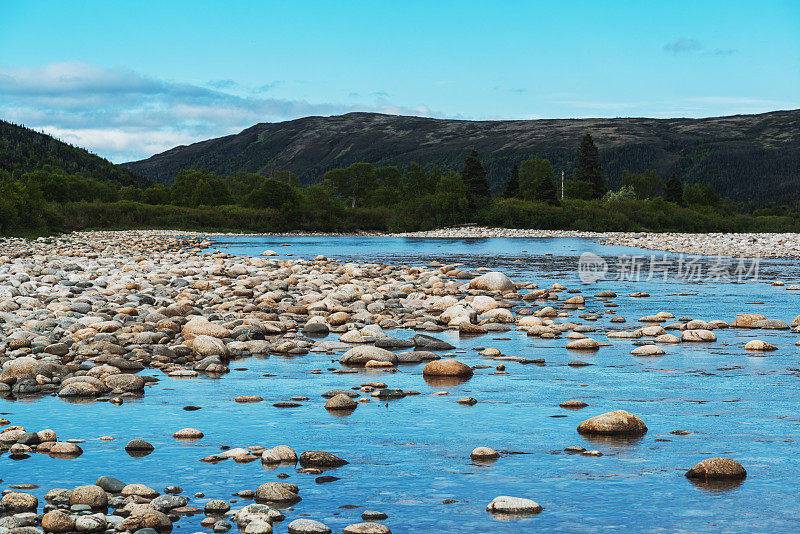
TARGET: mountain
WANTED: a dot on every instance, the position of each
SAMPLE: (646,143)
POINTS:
(24,150)
(751,158)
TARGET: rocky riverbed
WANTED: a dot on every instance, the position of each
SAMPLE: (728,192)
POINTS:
(108,317)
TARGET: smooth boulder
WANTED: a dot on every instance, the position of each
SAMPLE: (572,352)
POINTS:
(717,468)
(364,353)
(618,422)
(92,495)
(492,281)
(758,345)
(513,505)
(321,459)
(447,368)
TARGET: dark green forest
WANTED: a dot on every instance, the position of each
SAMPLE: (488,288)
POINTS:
(23,150)
(46,187)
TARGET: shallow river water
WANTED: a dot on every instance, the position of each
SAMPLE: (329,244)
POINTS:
(408,455)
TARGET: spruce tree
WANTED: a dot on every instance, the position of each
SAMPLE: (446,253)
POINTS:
(537,181)
(544,185)
(588,169)
(474,177)
(674,189)
(512,188)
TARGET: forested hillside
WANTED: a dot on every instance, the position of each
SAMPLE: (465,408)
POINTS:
(23,150)
(754,159)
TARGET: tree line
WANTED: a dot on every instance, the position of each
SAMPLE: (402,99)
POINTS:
(364,197)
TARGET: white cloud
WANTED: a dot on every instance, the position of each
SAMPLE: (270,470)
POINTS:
(119,141)
(123,115)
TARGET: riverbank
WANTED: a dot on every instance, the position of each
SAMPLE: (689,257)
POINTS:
(749,245)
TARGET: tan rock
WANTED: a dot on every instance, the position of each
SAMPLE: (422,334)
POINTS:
(698,336)
(648,350)
(618,422)
(57,521)
(188,433)
(446,368)
(587,344)
(717,468)
(201,326)
(91,495)
(484,453)
(758,345)
(746,320)
(340,402)
(492,281)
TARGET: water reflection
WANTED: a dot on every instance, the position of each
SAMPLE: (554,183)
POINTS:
(138,453)
(614,440)
(716,485)
(341,412)
(445,381)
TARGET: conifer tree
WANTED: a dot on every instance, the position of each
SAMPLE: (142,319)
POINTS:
(474,177)
(512,188)
(588,169)
(674,189)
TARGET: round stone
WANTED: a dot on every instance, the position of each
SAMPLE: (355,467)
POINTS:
(277,492)
(513,505)
(447,368)
(717,468)
(648,350)
(758,345)
(17,502)
(93,496)
(484,453)
(110,484)
(373,515)
(139,445)
(308,526)
(341,402)
(618,422)
(216,506)
(188,433)
(366,528)
(321,459)
(57,521)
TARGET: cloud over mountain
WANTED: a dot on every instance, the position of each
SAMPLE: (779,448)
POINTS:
(125,115)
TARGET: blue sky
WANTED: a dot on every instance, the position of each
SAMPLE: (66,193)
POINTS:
(129,79)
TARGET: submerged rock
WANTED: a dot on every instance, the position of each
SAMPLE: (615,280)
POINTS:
(321,459)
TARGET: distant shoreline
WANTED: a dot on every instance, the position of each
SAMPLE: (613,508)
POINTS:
(750,245)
